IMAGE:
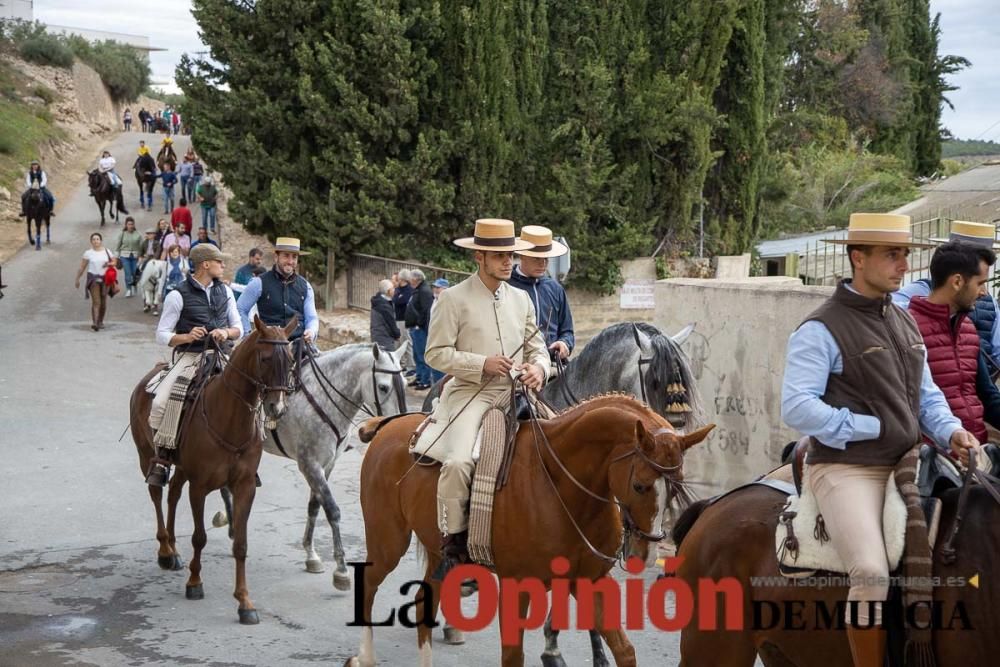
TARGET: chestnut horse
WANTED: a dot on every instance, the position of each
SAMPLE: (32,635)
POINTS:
(734,537)
(220,446)
(573,479)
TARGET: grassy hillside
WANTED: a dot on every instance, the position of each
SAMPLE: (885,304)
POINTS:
(24,124)
(966,147)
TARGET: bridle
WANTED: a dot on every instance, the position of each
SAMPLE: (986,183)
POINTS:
(398,388)
(643,361)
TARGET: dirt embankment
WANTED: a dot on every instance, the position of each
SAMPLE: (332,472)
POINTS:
(84,116)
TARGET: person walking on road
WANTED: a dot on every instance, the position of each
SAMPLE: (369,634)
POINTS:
(95,263)
(418,317)
(207,195)
(129,247)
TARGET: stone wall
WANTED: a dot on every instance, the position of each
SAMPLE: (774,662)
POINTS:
(738,356)
(592,313)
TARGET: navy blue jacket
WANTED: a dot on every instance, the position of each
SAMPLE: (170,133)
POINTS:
(551,307)
(988,394)
(400,298)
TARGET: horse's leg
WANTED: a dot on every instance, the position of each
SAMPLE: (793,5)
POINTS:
(38,233)
(173,496)
(220,519)
(621,647)
(314,563)
(513,656)
(48,229)
(424,644)
(385,548)
(551,656)
(243,492)
(321,488)
(194,589)
(163,553)
(27,221)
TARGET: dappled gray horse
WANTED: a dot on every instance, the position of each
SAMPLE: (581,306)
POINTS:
(318,422)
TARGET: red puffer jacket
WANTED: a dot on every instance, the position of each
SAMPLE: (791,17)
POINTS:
(953,356)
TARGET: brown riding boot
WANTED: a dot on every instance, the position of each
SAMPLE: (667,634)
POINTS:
(159,467)
(454,551)
(867,646)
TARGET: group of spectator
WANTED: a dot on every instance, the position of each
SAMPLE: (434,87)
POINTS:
(168,119)
(401,310)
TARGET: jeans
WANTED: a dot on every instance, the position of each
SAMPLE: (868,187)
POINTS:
(184,188)
(192,189)
(168,198)
(130,263)
(208,217)
(418,337)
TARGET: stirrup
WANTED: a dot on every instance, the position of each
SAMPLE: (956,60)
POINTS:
(159,473)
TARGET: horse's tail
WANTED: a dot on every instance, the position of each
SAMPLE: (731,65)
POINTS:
(670,367)
(686,521)
(370,428)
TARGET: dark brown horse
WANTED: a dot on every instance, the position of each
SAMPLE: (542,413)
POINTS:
(103,193)
(626,457)
(37,210)
(220,446)
(734,537)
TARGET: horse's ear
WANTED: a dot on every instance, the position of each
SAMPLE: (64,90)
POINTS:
(259,325)
(643,436)
(692,439)
(291,326)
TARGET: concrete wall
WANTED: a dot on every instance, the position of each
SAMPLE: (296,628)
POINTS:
(738,355)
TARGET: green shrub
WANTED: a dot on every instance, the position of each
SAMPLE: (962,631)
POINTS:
(123,70)
(45,93)
(7,146)
(44,114)
(9,91)
(46,50)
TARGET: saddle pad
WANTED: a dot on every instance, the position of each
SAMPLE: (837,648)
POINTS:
(492,439)
(814,553)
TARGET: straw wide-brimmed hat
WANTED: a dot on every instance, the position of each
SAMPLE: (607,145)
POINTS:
(494,235)
(885,229)
(544,245)
(289,244)
(975,233)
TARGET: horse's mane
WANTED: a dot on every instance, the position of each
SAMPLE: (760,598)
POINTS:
(616,397)
(670,366)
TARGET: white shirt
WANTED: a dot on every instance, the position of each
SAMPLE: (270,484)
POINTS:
(174,303)
(107,163)
(27,179)
(97,260)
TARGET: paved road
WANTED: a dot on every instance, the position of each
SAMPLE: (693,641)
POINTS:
(78,577)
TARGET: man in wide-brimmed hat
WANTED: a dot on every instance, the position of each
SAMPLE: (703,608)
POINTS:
(200,308)
(985,314)
(481,330)
(551,305)
(857,381)
(281,294)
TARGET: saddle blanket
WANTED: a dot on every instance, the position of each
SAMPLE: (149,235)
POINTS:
(803,545)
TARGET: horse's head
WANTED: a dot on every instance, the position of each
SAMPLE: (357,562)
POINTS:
(386,390)
(646,479)
(274,365)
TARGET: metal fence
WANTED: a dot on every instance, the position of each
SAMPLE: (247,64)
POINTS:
(365,271)
(826,263)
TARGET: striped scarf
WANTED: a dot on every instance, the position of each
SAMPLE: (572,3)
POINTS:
(917,566)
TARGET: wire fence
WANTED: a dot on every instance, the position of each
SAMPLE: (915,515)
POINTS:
(364,272)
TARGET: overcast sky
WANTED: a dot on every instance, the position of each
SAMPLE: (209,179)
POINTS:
(971,28)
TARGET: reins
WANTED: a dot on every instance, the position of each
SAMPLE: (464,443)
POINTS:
(972,475)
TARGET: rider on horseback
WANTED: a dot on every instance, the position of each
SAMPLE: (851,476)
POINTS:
(37,175)
(857,381)
(200,307)
(106,166)
(549,298)
(281,294)
(479,354)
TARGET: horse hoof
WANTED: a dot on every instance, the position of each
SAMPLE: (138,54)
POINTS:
(453,637)
(315,566)
(341,581)
(219,520)
(553,660)
(195,592)
(172,562)
(249,617)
